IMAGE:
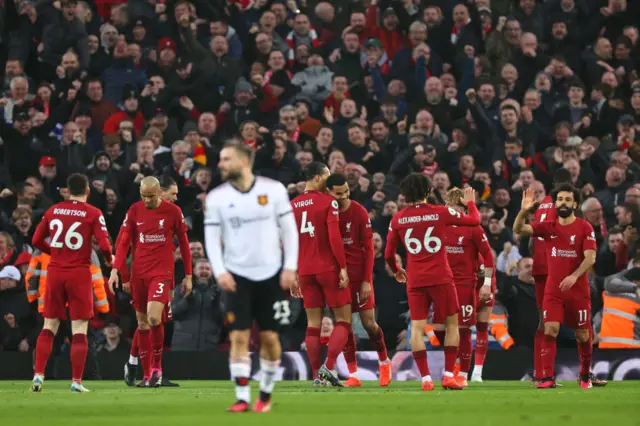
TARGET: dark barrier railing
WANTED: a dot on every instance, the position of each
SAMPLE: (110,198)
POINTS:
(515,364)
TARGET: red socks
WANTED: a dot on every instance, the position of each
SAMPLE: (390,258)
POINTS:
(377,340)
(537,354)
(337,340)
(314,349)
(440,335)
(157,343)
(548,356)
(585,352)
(79,348)
(349,353)
(450,355)
(420,357)
(43,350)
(144,349)
(482,342)
(134,345)
(465,350)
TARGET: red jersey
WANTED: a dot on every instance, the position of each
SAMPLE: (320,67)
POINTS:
(320,242)
(357,236)
(566,245)
(466,245)
(546,212)
(71,225)
(150,233)
(422,228)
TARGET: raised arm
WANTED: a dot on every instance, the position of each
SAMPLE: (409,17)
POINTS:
(471,219)
(519,224)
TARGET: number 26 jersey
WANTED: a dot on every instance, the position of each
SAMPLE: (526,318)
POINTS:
(422,229)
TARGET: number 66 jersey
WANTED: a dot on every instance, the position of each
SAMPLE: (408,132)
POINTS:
(422,229)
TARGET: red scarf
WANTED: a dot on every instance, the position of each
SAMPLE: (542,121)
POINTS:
(430,171)
(5,260)
(292,47)
(625,145)
(295,135)
(200,154)
(252,143)
(454,31)
(426,67)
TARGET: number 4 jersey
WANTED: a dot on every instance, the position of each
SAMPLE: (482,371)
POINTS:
(70,227)
(422,228)
(318,220)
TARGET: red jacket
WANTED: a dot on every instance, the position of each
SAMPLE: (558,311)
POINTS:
(392,41)
(112,123)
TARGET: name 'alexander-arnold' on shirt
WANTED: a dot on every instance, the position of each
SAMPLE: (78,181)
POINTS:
(417,219)
(70,212)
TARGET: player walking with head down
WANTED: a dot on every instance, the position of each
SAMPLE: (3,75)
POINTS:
(571,252)
(355,228)
(149,228)
(465,246)
(71,226)
(322,271)
(247,213)
(422,227)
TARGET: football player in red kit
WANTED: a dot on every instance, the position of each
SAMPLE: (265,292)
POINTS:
(486,283)
(149,228)
(355,228)
(170,194)
(465,245)
(322,271)
(422,228)
(71,226)
(571,252)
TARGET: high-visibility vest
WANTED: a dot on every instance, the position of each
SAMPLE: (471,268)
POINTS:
(620,323)
(36,281)
(428,331)
(498,327)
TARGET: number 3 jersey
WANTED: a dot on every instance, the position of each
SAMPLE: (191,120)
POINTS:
(70,227)
(318,220)
(422,228)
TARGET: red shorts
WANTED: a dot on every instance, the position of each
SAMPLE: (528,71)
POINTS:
(156,289)
(541,281)
(573,309)
(468,299)
(443,296)
(487,303)
(69,287)
(355,283)
(320,290)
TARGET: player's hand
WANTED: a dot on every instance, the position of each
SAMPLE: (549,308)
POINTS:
(401,275)
(126,287)
(469,195)
(527,200)
(485,293)
(227,283)
(344,278)
(365,291)
(113,280)
(287,279)
(295,289)
(567,283)
(187,285)
(109,262)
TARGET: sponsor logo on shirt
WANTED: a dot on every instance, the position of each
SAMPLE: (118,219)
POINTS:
(152,238)
(418,219)
(347,241)
(455,250)
(237,222)
(563,253)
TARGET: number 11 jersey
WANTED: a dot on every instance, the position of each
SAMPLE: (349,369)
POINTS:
(314,211)
(422,229)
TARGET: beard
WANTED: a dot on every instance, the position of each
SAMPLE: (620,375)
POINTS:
(232,175)
(564,211)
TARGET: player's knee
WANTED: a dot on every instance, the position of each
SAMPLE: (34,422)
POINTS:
(51,324)
(240,339)
(370,325)
(154,320)
(551,329)
(269,339)
(79,327)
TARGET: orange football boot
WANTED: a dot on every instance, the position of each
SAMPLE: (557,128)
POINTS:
(428,386)
(352,382)
(462,381)
(385,374)
(450,383)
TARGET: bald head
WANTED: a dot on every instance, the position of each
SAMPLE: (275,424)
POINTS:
(150,192)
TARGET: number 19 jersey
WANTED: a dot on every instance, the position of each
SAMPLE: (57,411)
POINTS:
(314,210)
(422,229)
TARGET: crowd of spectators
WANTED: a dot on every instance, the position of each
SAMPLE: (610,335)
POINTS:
(496,94)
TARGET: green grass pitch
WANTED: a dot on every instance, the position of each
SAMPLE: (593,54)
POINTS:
(297,403)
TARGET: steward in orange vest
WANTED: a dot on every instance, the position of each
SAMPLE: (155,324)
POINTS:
(620,327)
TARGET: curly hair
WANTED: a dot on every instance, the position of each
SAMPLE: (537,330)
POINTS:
(416,187)
(454,197)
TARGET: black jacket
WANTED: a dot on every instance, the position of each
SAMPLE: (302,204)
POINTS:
(197,318)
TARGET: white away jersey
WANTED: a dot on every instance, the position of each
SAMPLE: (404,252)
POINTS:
(247,225)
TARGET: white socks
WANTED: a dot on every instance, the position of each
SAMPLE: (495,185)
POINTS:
(269,370)
(426,378)
(240,373)
(477,371)
(133,360)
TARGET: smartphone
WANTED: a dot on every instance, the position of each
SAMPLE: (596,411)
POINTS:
(514,160)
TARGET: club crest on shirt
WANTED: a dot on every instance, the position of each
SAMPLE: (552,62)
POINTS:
(460,240)
(263,200)
(161,223)
(348,226)
(572,239)
(231,318)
